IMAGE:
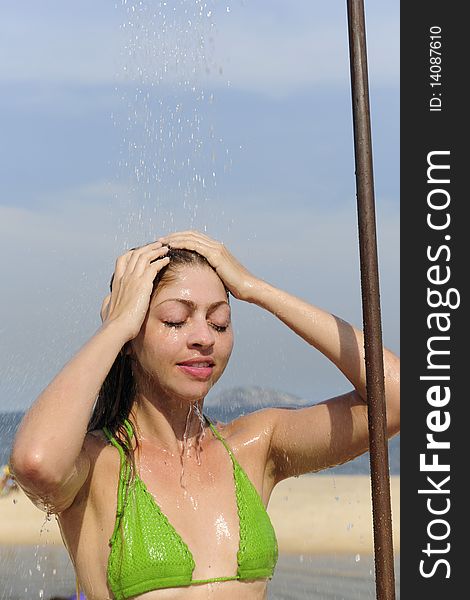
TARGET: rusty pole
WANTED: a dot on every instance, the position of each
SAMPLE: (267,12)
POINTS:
(380,480)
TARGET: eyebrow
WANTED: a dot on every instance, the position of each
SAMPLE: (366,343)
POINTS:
(192,305)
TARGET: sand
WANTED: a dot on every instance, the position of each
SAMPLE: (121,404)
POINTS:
(324,514)
(323,525)
(319,514)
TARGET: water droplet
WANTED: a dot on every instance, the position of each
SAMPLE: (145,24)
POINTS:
(357,557)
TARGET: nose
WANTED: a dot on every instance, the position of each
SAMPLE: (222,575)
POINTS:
(201,335)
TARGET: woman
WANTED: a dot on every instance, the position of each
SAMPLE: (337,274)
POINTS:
(153,500)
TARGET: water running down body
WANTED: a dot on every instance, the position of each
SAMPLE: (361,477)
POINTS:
(145,446)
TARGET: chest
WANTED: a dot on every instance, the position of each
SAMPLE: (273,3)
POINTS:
(200,499)
(206,506)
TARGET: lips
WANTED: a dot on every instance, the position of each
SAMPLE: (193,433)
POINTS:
(197,368)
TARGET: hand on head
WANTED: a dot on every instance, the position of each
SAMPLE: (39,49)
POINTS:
(235,277)
(135,272)
(132,286)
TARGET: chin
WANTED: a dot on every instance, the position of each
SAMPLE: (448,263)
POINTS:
(191,392)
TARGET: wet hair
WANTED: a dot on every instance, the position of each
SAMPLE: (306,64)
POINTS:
(116,396)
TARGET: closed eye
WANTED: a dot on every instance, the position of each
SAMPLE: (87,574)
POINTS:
(173,324)
(219,328)
(178,324)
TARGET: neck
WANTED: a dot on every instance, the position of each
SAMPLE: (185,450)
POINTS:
(163,419)
(169,423)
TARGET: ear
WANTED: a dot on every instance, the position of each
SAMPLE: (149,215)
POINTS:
(105,307)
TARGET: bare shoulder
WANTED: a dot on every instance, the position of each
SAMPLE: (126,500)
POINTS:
(250,436)
(98,449)
(255,426)
(101,453)
(95,442)
(103,468)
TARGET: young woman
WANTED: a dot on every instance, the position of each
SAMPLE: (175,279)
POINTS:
(152,499)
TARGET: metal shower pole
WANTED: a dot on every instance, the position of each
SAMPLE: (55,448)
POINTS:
(380,480)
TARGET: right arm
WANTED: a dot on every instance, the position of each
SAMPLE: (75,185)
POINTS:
(49,460)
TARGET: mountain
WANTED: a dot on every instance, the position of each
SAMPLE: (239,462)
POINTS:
(232,403)
(226,406)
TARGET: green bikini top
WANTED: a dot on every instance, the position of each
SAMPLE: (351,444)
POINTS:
(148,554)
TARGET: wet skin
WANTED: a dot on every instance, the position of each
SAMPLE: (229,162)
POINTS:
(188,319)
(77,473)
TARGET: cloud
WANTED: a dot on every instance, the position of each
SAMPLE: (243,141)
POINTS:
(286,209)
(268,57)
(57,259)
(273,52)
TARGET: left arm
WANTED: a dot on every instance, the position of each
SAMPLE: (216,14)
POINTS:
(334,431)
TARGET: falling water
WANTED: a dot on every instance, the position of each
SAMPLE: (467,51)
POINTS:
(170,151)
(186,448)
(202,433)
(170,159)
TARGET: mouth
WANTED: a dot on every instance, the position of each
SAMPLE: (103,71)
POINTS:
(197,369)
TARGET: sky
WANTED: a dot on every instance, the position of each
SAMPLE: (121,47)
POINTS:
(122,121)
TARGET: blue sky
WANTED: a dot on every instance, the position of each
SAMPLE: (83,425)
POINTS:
(124,121)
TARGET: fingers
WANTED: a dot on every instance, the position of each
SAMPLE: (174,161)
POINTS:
(143,254)
(138,258)
(157,265)
(105,307)
(189,236)
(148,258)
(193,240)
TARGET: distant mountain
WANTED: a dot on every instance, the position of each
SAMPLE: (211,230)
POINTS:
(230,404)
(225,407)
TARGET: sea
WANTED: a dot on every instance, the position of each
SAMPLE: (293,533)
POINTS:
(9,422)
(46,573)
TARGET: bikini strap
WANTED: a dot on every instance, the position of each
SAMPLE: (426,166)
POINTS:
(113,440)
(124,475)
(218,436)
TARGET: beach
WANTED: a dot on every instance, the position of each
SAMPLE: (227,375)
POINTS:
(323,524)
